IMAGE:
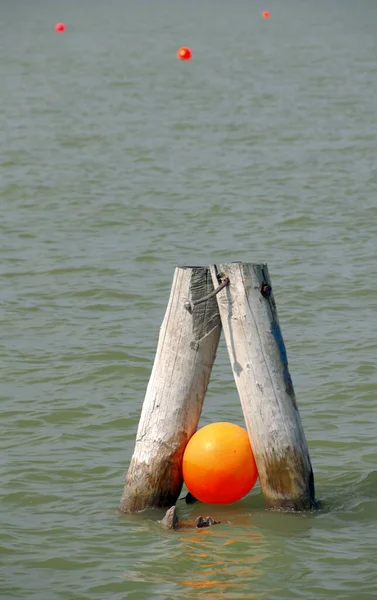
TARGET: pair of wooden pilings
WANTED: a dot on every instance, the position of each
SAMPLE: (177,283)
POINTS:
(237,298)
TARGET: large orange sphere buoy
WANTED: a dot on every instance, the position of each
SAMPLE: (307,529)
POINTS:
(218,464)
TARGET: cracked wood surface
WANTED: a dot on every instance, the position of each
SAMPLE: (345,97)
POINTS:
(260,367)
(173,402)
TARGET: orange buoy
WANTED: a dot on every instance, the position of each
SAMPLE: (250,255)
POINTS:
(60,27)
(218,464)
(266,14)
(184,53)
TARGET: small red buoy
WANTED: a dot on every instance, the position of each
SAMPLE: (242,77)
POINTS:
(265,14)
(184,53)
(60,27)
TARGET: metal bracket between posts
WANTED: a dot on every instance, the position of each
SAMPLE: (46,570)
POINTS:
(189,304)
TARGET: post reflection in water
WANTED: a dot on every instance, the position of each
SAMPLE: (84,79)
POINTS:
(219,566)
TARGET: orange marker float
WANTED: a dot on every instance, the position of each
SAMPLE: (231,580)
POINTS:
(218,464)
(60,27)
(265,14)
(184,53)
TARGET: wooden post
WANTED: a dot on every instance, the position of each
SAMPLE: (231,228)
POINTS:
(260,367)
(186,351)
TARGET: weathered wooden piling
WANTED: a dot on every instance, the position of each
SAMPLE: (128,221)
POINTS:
(173,402)
(260,367)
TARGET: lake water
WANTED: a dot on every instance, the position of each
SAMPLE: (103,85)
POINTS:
(119,162)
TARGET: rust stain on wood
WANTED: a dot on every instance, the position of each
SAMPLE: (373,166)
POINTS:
(156,484)
(289,482)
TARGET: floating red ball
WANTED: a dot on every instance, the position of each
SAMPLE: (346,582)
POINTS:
(184,53)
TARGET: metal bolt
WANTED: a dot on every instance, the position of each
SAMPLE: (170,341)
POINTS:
(265,290)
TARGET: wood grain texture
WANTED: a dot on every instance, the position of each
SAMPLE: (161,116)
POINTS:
(174,398)
(260,366)
(170,520)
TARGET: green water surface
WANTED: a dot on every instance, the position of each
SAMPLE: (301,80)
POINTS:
(119,162)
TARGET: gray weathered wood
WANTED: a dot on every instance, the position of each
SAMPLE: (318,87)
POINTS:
(173,402)
(170,520)
(260,367)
